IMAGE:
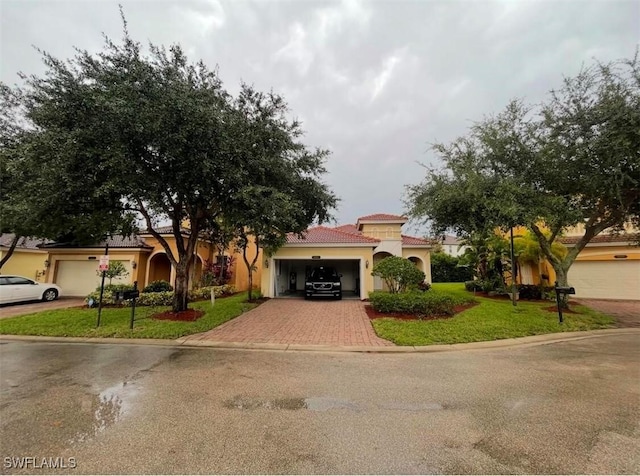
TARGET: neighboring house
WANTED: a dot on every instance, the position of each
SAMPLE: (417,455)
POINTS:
(74,268)
(452,246)
(607,268)
(27,259)
(352,249)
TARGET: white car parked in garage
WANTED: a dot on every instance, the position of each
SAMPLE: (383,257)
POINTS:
(19,288)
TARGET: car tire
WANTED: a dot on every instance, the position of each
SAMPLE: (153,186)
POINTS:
(50,295)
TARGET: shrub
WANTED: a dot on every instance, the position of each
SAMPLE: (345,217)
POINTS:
(398,273)
(532,291)
(472,286)
(157,287)
(205,292)
(158,298)
(447,269)
(114,288)
(108,297)
(417,303)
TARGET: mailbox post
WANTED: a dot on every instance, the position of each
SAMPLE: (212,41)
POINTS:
(562,291)
(133,295)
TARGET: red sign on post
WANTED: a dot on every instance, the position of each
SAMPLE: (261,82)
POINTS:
(104,263)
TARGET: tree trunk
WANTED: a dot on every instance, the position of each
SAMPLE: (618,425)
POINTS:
(562,275)
(180,297)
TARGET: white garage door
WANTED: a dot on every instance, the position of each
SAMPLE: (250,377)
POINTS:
(79,278)
(606,279)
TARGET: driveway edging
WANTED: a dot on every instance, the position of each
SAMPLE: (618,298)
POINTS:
(182,342)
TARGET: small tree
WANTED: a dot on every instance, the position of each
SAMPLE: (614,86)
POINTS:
(116,270)
(398,273)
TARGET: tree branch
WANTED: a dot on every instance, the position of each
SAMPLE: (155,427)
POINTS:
(12,248)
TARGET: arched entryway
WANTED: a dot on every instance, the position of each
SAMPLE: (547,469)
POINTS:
(159,268)
(417,262)
(378,283)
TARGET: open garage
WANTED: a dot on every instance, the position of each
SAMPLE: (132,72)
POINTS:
(290,275)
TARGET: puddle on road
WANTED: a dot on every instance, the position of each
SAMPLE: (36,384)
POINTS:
(318,404)
(106,408)
(412,407)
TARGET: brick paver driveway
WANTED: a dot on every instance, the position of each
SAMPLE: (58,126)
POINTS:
(627,313)
(296,321)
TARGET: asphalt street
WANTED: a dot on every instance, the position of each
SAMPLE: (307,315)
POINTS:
(570,407)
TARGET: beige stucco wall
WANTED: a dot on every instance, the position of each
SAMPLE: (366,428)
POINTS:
(608,253)
(27,263)
(326,252)
(383,231)
(424,255)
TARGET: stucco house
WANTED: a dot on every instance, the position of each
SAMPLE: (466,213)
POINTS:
(352,249)
(607,268)
(452,245)
(74,268)
(27,260)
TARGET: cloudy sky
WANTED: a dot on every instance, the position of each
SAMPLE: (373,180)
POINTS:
(374,82)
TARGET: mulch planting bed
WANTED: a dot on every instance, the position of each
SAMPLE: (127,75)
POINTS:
(189,315)
(373,314)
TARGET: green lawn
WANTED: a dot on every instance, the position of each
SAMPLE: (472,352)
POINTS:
(115,321)
(490,320)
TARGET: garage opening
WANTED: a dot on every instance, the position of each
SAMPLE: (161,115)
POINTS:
(291,274)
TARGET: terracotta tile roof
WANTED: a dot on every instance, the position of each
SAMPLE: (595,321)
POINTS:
(382,217)
(412,240)
(166,230)
(114,242)
(25,243)
(349,229)
(624,238)
(322,234)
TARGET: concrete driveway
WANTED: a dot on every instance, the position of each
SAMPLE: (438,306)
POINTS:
(296,321)
(19,309)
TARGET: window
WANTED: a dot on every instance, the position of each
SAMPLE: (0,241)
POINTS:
(17,280)
(4,281)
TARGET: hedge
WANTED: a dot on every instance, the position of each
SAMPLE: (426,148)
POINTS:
(416,303)
(163,298)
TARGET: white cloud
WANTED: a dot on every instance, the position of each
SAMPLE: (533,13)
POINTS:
(297,50)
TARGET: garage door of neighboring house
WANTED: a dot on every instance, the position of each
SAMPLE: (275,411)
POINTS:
(606,279)
(79,278)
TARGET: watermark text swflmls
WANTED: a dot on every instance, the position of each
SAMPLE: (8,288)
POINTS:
(36,462)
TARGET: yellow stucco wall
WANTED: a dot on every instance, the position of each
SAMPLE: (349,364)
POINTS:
(424,255)
(240,273)
(325,252)
(27,263)
(383,231)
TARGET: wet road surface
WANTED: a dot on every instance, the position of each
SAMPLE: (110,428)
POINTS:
(569,407)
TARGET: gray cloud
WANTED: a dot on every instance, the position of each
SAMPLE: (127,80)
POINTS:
(375,82)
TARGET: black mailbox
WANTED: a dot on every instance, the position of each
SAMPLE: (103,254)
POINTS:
(125,295)
(131,294)
(565,290)
(562,291)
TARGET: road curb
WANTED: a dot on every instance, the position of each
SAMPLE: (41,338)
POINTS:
(199,343)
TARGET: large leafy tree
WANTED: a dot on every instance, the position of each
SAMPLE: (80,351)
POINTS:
(159,136)
(282,192)
(573,160)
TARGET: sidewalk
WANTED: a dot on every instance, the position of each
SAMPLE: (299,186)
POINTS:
(185,342)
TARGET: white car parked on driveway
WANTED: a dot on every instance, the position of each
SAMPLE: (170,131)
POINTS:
(19,288)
